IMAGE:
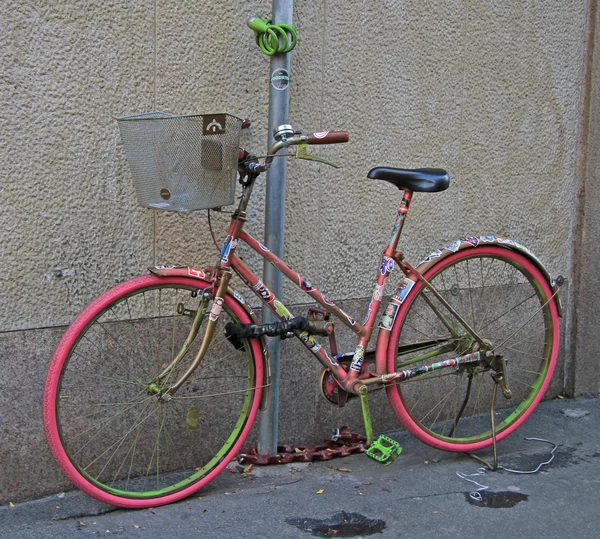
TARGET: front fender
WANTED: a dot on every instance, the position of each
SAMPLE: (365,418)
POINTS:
(189,271)
(180,271)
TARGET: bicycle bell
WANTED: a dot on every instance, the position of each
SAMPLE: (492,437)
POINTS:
(282,132)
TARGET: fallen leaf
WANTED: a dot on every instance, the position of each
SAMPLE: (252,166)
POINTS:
(248,468)
(191,418)
(435,512)
(135,525)
(320,491)
(11,504)
(82,524)
(346,470)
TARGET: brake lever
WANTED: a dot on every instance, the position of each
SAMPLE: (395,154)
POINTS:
(302,153)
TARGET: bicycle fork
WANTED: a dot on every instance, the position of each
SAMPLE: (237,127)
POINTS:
(159,386)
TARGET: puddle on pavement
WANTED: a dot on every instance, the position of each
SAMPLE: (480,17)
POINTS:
(497,500)
(339,525)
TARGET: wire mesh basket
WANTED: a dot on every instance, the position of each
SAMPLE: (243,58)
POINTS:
(182,162)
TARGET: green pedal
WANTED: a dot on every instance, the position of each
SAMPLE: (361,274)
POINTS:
(384,450)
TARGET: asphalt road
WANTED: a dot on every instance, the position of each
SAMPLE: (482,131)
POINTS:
(419,495)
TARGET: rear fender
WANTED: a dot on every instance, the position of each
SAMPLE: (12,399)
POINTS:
(474,241)
(436,256)
(201,275)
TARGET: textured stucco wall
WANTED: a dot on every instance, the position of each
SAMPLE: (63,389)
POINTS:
(490,91)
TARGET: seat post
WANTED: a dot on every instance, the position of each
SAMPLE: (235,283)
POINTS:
(400,217)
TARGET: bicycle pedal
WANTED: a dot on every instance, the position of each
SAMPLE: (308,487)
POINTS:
(384,450)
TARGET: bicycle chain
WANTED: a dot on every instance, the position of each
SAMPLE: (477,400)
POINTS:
(343,444)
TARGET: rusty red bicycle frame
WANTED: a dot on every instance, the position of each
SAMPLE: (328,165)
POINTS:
(389,258)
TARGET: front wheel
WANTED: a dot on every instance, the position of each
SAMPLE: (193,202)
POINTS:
(508,302)
(107,425)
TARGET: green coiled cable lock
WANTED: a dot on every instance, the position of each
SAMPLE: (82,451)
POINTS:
(273,38)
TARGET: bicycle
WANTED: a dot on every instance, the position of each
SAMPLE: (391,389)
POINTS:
(156,384)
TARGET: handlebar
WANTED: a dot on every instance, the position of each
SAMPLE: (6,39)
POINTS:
(328,137)
(292,138)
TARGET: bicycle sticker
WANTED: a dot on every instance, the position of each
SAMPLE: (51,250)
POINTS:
(399,222)
(228,245)
(403,289)
(387,320)
(378,292)
(281,310)
(387,265)
(472,240)
(321,134)
(488,239)
(215,312)
(166,267)
(377,296)
(326,300)
(435,254)
(349,318)
(280,79)
(238,296)
(196,272)
(310,342)
(263,247)
(454,246)
(358,359)
(305,285)
(263,292)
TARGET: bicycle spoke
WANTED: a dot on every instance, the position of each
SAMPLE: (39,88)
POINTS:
(500,295)
(121,428)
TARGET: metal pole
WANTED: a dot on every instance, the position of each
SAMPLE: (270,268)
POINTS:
(279,108)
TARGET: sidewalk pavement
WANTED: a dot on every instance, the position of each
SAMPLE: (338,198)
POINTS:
(420,495)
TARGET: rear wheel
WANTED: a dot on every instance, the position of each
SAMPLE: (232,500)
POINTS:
(507,301)
(105,420)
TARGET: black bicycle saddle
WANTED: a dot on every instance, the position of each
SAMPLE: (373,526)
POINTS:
(426,180)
